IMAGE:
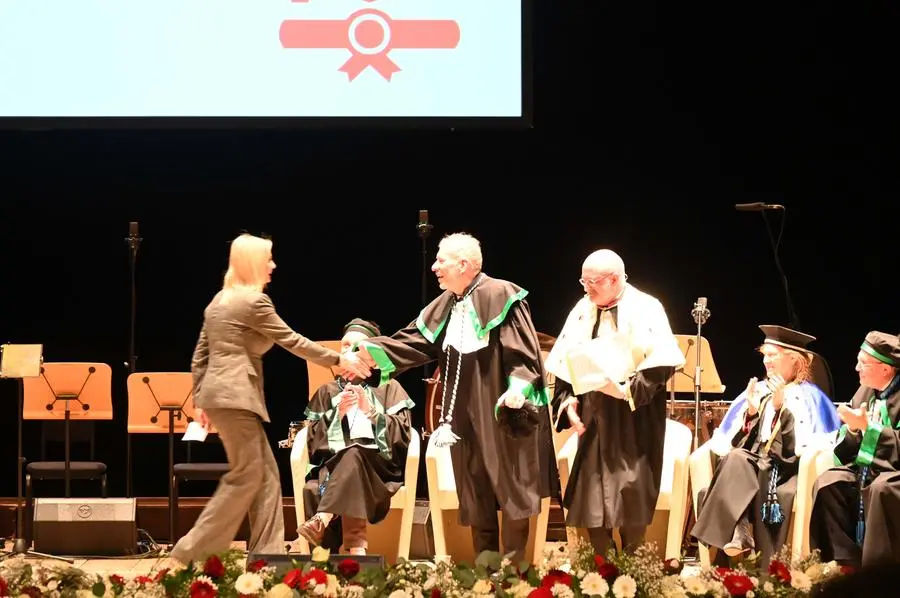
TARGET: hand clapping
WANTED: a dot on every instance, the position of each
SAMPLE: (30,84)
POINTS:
(856,419)
(776,386)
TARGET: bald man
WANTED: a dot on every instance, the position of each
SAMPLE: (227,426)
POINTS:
(612,361)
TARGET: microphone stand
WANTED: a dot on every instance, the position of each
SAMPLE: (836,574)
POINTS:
(776,244)
(424,229)
(700,314)
(133,240)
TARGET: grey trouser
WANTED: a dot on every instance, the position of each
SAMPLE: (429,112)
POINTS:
(252,485)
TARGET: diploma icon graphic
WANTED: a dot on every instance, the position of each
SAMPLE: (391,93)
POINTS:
(370,35)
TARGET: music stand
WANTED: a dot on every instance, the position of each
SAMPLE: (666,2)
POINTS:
(159,403)
(21,362)
(683,380)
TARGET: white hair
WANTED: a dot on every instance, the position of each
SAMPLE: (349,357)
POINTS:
(463,246)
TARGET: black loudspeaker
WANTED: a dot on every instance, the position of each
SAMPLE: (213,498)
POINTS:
(85,526)
(422,545)
(285,562)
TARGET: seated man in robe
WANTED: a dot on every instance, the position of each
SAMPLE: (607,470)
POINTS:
(770,424)
(358,440)
(856,506)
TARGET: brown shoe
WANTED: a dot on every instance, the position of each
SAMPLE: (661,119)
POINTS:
(312,530)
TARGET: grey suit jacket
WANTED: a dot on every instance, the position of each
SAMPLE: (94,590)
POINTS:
(227,364)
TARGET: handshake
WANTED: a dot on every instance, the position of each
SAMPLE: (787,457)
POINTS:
(355,365)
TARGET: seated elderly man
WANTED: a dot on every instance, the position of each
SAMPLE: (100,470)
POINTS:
(761,439)
(856,507)
(358,440)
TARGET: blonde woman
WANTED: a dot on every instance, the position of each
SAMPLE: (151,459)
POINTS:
(761,438)
(240,325)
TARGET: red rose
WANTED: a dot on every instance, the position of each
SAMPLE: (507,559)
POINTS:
(540,593)
(737,584)
(348,568)
(315,575)
(201,589)
(256,566)
(142,580)
(292,578)
(672,566)
(435,593)
(214,567)
(599,561)
(608,571)
(779,571)
(555,576)
(4,589)
(116,580)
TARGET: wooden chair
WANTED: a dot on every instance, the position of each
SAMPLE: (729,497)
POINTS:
(672,505)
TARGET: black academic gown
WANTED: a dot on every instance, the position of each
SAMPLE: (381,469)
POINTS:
(835,514)
(616,474)
(741,484)
(491,469)
(346,478)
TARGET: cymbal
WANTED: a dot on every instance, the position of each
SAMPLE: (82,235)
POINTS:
(546,341)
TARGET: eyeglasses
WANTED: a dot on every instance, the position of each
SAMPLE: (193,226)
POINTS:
(586,282)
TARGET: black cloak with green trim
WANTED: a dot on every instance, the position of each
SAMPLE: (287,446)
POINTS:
(876,453)
(358,481)
(495,348)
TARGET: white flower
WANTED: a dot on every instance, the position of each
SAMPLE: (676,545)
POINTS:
(671,587)
(52,584)
(482,587)
(320,555)
(749,594)
(248,584)
(594,585)
(561,590)
(400,594)
(800,581)
(624,587)
(815,571)
(695,585)
(280,590)
(768,588)
(521,589)
(353,591)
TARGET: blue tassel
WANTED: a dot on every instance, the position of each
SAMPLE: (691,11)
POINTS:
(777,517)
(860,531)
(764,512)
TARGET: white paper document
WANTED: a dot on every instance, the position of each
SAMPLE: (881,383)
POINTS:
(603,359)
(360,426)
(195,432)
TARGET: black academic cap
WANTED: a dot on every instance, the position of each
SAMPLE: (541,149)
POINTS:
(367,327)
(883,346)
(785,337)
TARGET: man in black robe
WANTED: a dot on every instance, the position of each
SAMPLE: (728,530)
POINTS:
(612,361)
(480,332)
(358,440)
(856,505)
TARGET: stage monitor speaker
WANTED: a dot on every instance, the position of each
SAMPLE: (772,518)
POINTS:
(85,526)
(285,562)
(422,544)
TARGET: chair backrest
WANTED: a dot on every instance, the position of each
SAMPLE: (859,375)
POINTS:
(677,444)
(318,375)
(81,433)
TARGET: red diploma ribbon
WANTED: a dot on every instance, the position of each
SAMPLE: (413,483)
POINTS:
(370,35)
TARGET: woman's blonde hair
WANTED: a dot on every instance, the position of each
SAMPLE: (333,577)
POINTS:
(248,264)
